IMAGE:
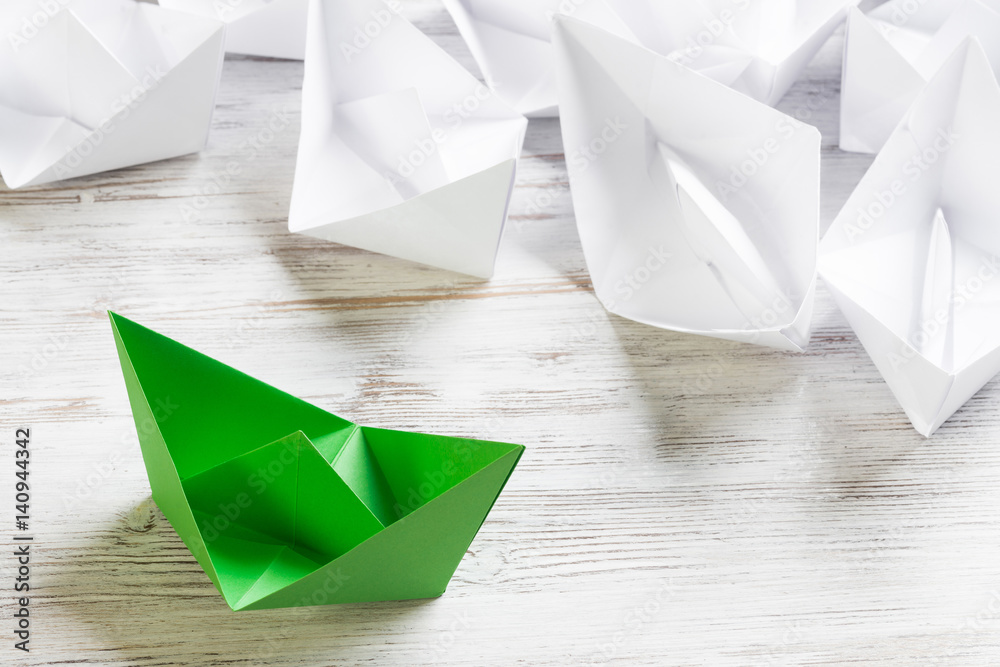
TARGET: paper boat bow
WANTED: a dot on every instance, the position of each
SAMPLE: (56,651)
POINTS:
(103,85)
(286,505)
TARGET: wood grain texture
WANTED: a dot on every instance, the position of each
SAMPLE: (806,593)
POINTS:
(683,501)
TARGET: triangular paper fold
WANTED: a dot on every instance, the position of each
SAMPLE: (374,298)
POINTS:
(274,518)
(890,53)
(402,152)
(700,218)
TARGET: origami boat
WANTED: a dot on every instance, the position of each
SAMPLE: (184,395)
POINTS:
(286,505)
(913,257)
(402,151)
(697,206)
(102,85)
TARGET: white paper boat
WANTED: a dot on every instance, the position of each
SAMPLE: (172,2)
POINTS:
(403,152)
(102,84)
(913,257)
(697,206)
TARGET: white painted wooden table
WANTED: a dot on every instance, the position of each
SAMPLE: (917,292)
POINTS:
(683,501)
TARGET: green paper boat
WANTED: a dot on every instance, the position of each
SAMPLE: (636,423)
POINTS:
(286,505)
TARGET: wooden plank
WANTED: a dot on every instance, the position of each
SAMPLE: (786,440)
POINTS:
(683,501)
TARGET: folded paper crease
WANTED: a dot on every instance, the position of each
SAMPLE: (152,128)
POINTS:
(697,218)
(104,85)
(892,51)
(402,151)
(912,258)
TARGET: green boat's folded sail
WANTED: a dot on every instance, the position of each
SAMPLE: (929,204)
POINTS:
(286,505)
